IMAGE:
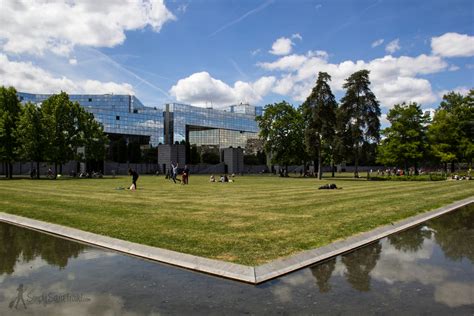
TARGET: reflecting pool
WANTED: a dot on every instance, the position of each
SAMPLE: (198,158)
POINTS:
(428,269)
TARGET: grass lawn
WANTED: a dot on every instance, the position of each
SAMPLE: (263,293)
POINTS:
(251,221)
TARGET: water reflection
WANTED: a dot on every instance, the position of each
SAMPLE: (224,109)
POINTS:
(322,272)
(26,245)
(359,264)
(427,269)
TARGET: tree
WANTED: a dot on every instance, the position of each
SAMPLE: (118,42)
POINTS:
(319,112)
(359,112)
(134,152)
(210,157)
(452,130)
(282,131)
(10,110)
(405,140)
(93,138)
(62,120)
(31,135)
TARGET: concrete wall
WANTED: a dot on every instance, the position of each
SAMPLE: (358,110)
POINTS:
(234,159)
(168,154)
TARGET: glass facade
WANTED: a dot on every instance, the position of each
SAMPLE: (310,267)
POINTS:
(203,126)
(126,115)
(119,114)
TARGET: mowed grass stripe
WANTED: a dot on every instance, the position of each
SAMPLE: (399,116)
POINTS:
(251,221)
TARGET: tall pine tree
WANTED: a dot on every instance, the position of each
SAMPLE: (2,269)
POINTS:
(319,111)
(360,113)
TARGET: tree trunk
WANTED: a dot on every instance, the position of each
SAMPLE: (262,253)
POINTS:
(61,169)
(37,170)
(356,171)
(452,167)
(416,167)
(446,167)
(10,170)
(320,168)
(55,170)
(333,167)
(315,163)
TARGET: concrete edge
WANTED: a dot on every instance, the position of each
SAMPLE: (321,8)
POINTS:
(303,259)
(248,274)
(209,266)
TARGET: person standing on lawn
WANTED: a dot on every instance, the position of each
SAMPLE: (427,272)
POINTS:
(174,172)
(186,175)
(134,175)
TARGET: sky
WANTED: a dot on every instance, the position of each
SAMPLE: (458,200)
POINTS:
(216,53)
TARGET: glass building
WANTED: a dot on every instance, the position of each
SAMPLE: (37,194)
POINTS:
(125,115)
(201,126)
(119,114)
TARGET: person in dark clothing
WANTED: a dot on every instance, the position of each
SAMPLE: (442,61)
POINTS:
(186,175)
(134,175)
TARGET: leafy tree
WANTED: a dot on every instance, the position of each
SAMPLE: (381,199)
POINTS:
(62,119)
(151,155)
(10,110)
(134,152)
(194,155)
(405,140)
(319,111)
(359,115)
(31,135)
(93,137)
(452,130)
(210,157)
(282,132)
(118,150)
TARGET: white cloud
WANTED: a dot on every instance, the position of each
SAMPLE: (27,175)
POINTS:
(377,43)
(26,77)
(281,46)
(394,79)
(73,61)
(405,89)
(393,46)
(99,87)
(202,89)
(255,52)
(453,45)
(297,36)
(182,8)
(463,90)
(453,68)
(38,26)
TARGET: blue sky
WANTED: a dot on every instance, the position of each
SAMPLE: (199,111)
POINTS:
(224,52)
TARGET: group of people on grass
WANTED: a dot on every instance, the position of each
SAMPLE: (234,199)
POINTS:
(223,178)
(173,173)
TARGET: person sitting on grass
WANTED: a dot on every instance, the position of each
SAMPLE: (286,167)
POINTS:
(134,175)
(212,178)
